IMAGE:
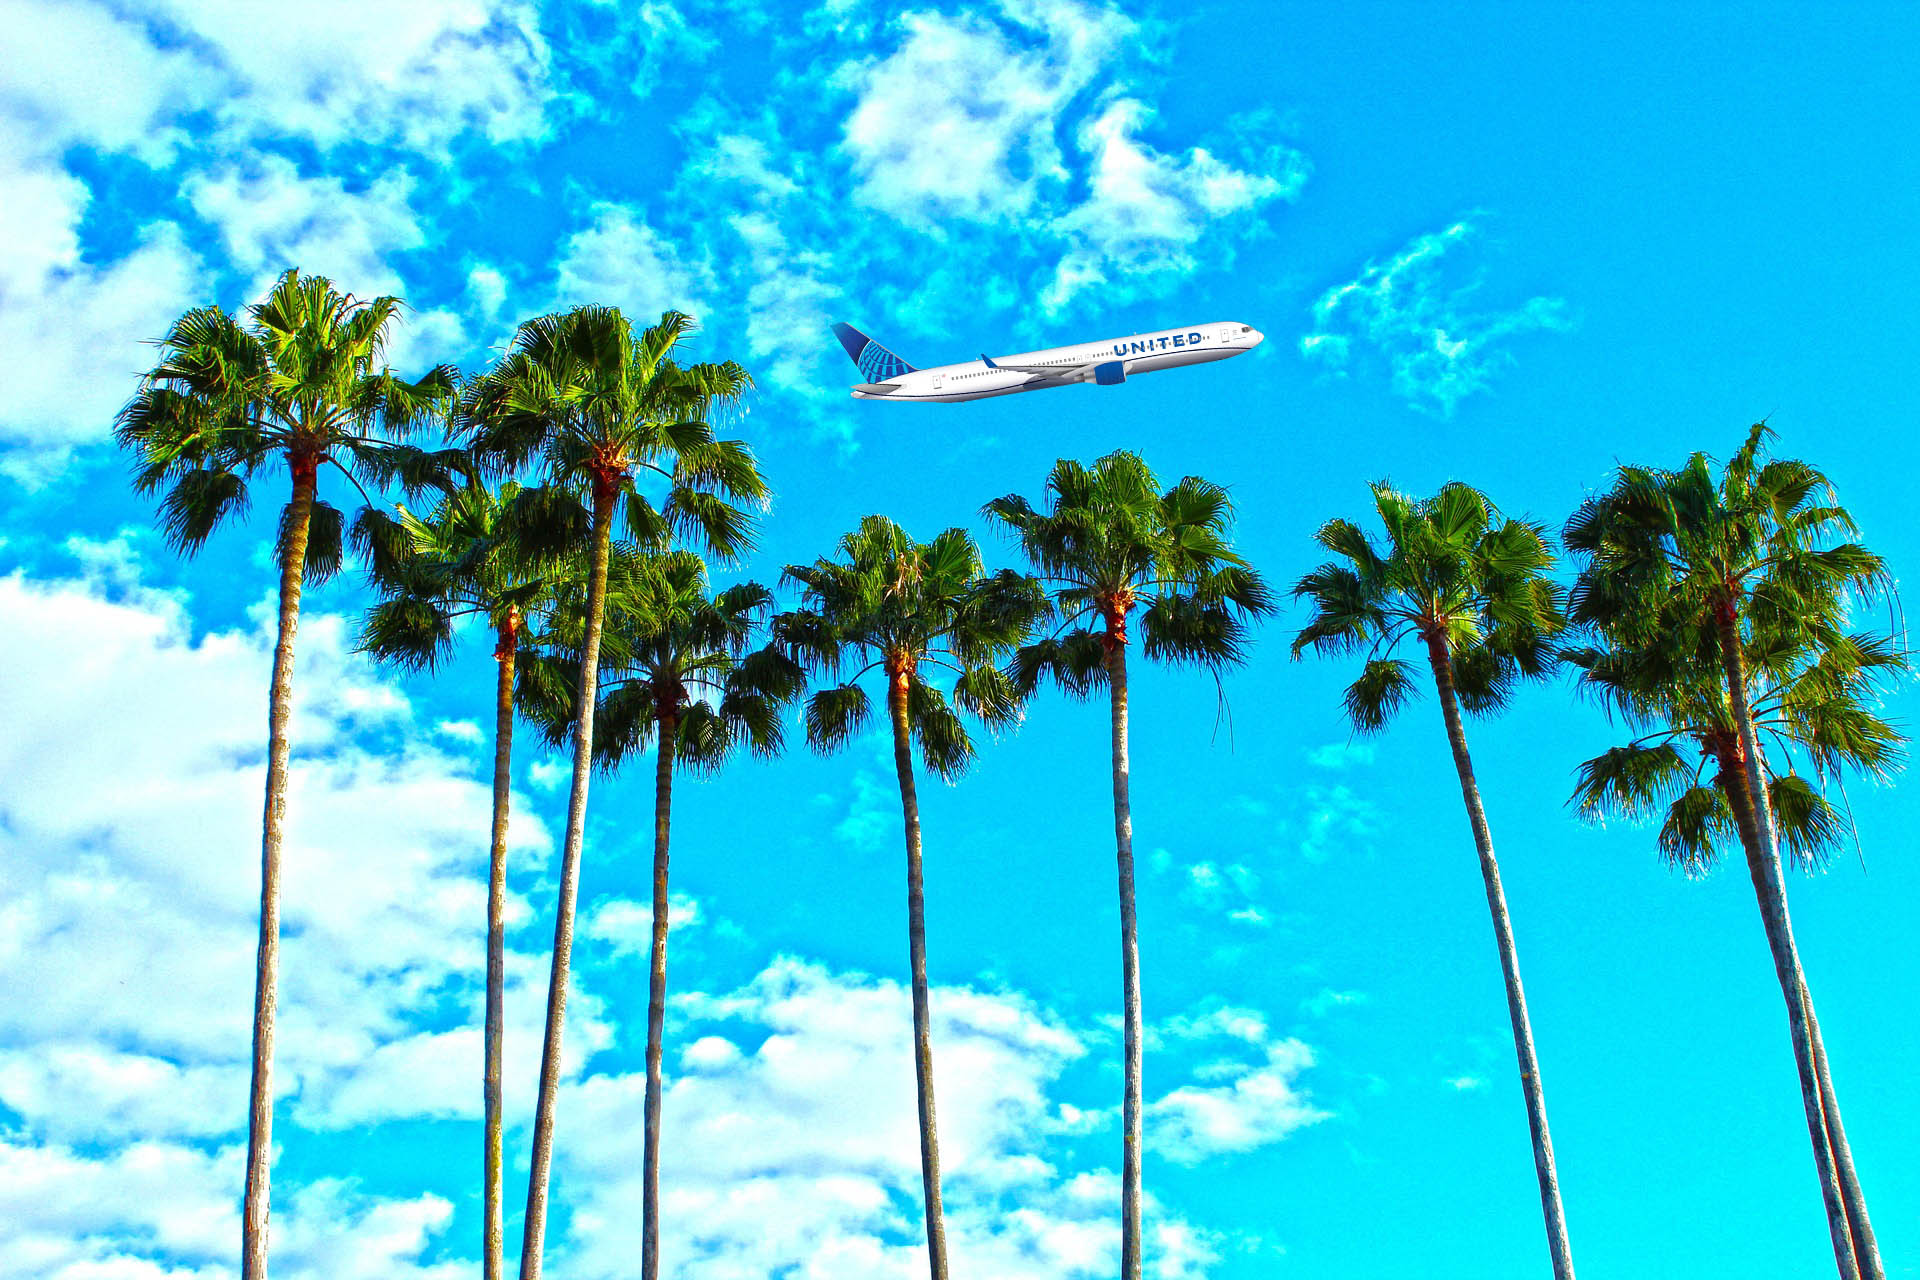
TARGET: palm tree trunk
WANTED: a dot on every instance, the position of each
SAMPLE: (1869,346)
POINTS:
(1554,1211)
(656,1003)
(1132,1137)
(266,972)
(1763,866)
(493,1230)
(534,1237)
(1866,1247)
(1766,844)
(917,953)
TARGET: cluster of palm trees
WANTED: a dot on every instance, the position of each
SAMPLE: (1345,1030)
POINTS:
(577,489)
(1709,615)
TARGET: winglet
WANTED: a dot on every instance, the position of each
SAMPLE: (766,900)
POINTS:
(987,362)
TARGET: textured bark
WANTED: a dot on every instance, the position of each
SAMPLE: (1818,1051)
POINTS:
(1131,1136)
(1551,1208)
(917,954)
(1763,866)
(533,1238)
(656,1002)
(266,972)
(493,1231)
(1866,1248)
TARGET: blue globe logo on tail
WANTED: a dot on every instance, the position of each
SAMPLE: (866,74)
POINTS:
(876,363)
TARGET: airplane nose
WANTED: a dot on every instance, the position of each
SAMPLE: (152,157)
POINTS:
(1255,338)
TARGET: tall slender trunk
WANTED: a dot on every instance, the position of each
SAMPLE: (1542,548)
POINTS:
(656,1002)
(1733,780)
(917,954)
(1555,1213)
(1131,1137)
(1866,1247)
(266,970)
(1763,866)
(533,1239)
(493,1230)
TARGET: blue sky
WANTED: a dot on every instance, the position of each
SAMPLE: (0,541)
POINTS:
(1508,246)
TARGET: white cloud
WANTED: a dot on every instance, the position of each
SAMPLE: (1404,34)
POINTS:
(69,378)
(1249,1025)
(417,75)
(873,808)
(1341,755)
(59,55)
(799,1157)
(1326,1000)
(89,1092)
(1436,346)
(164,1211)
(959,120)
(1466,1083)
(1253,1105)
(625,927)
(487,288)
(1031,120)
(466,731)
(1146,210)
(787,304)
(135,900)
(1335,819)
(271,217)
(1229,890)
(617,259)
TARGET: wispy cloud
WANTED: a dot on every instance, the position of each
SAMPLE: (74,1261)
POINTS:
(1243,1106)
(1327,1000)
(1335,819)
(1424,323)
(1341,755)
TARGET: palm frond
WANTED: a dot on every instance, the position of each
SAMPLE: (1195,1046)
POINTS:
(1384,687)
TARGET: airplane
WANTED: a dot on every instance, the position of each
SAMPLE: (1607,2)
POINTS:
(888,377)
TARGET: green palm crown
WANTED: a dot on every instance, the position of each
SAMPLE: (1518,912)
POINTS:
(601,408)
(1682,570)
(893,604)
(464,558)
(1470,584)
(1109,540)
(673,651)
(300,381)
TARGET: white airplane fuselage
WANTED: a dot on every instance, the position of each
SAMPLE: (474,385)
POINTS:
(1103,363)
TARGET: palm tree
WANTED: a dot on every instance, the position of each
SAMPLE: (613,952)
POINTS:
(299,382)
(1473,588)
(1691,576)
(1109,542)
(464,560)
(902,607)
(678,669)
(602,408)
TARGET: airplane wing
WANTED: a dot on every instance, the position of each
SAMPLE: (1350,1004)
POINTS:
(1069,372)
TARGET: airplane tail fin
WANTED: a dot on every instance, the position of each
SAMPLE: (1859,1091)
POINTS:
(875,362)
